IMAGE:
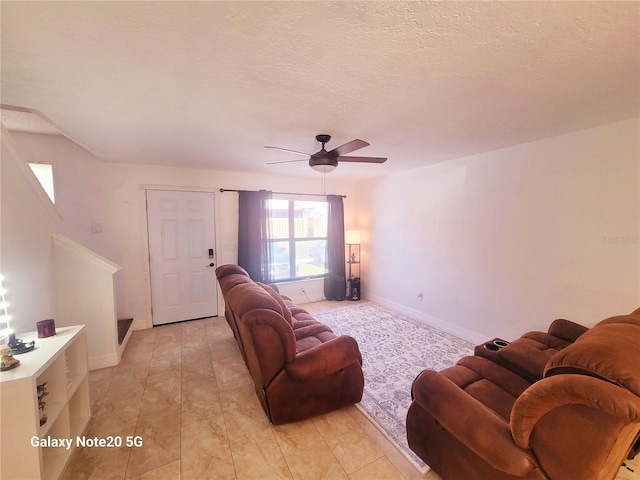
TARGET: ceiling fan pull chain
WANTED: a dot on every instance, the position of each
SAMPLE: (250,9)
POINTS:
(324,191)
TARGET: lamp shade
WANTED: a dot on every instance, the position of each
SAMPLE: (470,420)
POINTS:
(352,237)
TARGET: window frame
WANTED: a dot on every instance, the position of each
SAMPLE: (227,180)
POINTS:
(291,239)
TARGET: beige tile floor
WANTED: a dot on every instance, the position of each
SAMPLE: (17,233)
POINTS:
(185,391)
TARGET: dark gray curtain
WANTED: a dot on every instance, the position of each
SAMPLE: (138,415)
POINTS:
(335,283)
(254,254)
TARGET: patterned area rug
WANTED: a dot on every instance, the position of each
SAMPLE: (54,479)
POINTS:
(395,349)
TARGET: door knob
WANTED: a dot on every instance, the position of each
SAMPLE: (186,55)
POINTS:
(210,265)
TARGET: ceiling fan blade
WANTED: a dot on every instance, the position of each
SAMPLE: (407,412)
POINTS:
(287,161)
(287,150)
(347,148)
(362,159)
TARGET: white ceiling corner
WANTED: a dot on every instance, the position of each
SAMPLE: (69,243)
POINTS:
(26,120)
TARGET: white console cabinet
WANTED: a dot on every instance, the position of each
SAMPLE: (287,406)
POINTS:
(61,362)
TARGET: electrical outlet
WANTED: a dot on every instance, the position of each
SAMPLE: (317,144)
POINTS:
(420,296)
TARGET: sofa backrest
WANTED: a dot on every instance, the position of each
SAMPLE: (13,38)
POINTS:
(228,277)
(632,318)
(230,281)
(609,351)
(268,339)
(275,294)
(229,269)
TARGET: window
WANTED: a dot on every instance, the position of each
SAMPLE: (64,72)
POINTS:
(297,238)
(44,174)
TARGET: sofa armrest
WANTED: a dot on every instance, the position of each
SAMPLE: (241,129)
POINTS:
(470,422)
(325,359)
(570,389)
(566,329)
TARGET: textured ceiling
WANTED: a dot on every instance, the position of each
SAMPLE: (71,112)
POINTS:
(208,84)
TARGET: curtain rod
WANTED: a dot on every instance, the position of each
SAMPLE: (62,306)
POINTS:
(222,190)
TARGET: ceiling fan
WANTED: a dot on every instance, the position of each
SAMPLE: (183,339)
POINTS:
(323,161)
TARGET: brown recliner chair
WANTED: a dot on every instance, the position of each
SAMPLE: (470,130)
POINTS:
(480,420)
(299,367)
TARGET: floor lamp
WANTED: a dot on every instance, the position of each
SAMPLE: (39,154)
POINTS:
(352,239)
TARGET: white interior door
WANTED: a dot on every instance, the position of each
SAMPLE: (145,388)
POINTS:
(181,255)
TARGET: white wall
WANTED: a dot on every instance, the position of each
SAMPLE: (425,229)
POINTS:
(47,281)
(76,183)
(499,243)
(26,254)
(506,241)
(91,192)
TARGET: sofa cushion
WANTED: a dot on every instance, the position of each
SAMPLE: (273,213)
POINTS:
(305,343)
(491,384)
(298,313)
(312,335)
(528,356)
(549,341)
(610,351)
(311,330)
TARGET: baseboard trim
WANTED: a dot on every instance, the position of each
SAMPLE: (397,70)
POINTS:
(141,324)
(103,361)
(469,335)
(125,341)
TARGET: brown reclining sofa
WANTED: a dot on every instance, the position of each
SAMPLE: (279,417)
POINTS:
(561,405)
(300,368)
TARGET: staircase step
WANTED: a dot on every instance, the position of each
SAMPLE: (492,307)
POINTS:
(123,327)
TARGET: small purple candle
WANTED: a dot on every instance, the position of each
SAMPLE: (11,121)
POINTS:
(46,328)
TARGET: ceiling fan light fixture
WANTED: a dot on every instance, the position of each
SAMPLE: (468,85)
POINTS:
(324,168)
(321,163)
